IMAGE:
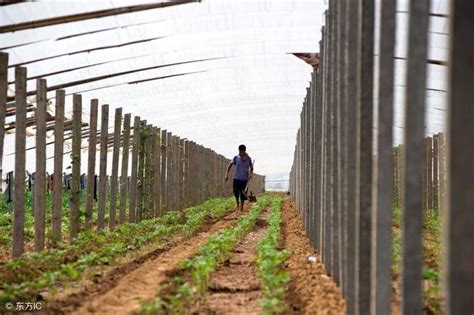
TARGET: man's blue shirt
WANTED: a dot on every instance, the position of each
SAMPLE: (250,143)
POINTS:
(242,166)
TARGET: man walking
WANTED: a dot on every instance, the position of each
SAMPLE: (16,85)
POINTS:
(243,173)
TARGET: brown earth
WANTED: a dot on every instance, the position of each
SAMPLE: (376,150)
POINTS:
(120,290)
(234,288)
(310,290)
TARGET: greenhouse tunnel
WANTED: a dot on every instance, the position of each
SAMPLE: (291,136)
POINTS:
(125,187)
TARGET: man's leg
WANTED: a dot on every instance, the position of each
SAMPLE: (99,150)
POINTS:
(235,187)
(243,184)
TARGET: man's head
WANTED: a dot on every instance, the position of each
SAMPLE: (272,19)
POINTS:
(242,149)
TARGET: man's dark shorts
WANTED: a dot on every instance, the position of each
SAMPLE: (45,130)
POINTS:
(239,187)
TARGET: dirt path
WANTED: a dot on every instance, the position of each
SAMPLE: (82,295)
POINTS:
(234,287)
(310,290)
(123,293)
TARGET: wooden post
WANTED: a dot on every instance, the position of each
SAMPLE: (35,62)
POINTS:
(194,173)
(186,174)
(435,172)
(326,207)
(222,168)
(157,175)
(302,207)
(76,166)
(138,212)
(91,162)
(352,17)
(134,172)
(215,175)
(381,279)
(40,179)
(396,177)
(336,196)
(318,136)
(175,172)
(181,160)
(107,184)
(442,173)
(175,185)
(124,171)
(150,172)
(141,170)
(146,149)
(317,161)
(341,94)
(152,202)
(3,100)
(200,187)
(104,127)
(58,165)
(115,166)
(350,78)
(312,159)
(207,170)
(424,182)
(169,172)
(191,172)
(364,154)
(20,138)
(429,177)
(401,154)
(459,259)
(179,166)
(412,259)
(164,168)
(9,190)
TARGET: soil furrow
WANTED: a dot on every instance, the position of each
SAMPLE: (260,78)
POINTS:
(310,290)
(234,287)
(120,290)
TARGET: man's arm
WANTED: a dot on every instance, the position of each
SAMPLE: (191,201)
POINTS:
(250,169)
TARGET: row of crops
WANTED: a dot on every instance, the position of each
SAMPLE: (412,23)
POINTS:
(41,275)
(26,277)
(190,287)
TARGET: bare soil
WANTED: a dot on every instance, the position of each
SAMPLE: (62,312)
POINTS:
(120,290)
(310,290)
(234,287)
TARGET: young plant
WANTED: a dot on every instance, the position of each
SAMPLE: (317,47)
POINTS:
(198,269)
(25,277)
(269,260)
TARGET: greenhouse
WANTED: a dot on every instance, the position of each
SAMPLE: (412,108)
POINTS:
(236,157)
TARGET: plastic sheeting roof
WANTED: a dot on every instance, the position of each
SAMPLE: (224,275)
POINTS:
(237,83)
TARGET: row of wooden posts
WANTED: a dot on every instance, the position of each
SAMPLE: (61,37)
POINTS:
(346,194)
(434,173)
(165,173)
